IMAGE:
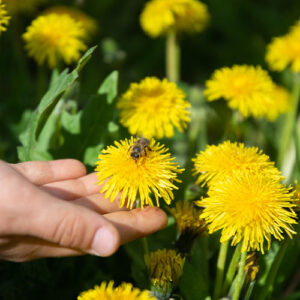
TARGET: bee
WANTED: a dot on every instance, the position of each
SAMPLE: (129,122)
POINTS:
(139,148)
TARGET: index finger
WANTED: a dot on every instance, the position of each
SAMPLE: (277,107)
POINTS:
(42,172)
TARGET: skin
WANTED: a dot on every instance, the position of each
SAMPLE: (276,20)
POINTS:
(54,209)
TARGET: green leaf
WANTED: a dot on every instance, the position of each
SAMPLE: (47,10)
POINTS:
(85,58)
(138,267)
(71,122)
(194,282)
(112,127)
(96,125)
(59,84)
(91,154)
(191,284)
(110,87)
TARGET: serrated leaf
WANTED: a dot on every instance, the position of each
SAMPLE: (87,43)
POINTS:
(95,126)
(59,84)
(110,87)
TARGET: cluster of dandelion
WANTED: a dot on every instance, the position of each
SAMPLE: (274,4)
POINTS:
(246,200)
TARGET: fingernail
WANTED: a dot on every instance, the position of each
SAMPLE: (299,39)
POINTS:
(104,243)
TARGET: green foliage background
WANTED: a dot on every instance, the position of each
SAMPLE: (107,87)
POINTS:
(238,34)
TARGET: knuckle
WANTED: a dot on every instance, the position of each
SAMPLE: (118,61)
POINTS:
(72,232)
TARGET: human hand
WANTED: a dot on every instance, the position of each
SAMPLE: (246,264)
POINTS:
(51,209)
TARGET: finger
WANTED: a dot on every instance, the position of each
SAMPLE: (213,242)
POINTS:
(138,223)
(84,191)
(42,172)
(100,204)
(23,248)
(72,226)
(37,213)
(75,188)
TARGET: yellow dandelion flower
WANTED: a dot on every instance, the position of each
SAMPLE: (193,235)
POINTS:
(161,16)
(246,88)
(284,51)
(165,267)
(153,173)
(107,291)
(282,102)
(22,6)
(53,38)
(88,23)
(249,208)
(224,160)
(187,218)
(4,18)
(153,107)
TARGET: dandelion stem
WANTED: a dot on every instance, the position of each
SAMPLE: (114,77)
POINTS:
(220,269)
(144,239)
(249,290)
(268,287)
(145,246)
(290,121)
(232,268)
(172,57)
(240,276)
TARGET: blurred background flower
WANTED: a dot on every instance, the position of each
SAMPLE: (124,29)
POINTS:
(161,16)
(54,38)
(153,107)
(284,51)
(246,88)
(89,24)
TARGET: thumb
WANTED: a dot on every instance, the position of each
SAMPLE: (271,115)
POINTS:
(67,225)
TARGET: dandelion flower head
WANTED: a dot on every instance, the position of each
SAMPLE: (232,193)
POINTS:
(4,18)
(249,208)
(164,266)
(88,23)
(107,291)
(153,107)
(246,88)
(52,38)
(22,6)
(284,51)
(187,218)
(281,103)
(161,16)
(152,174)
(219,162)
